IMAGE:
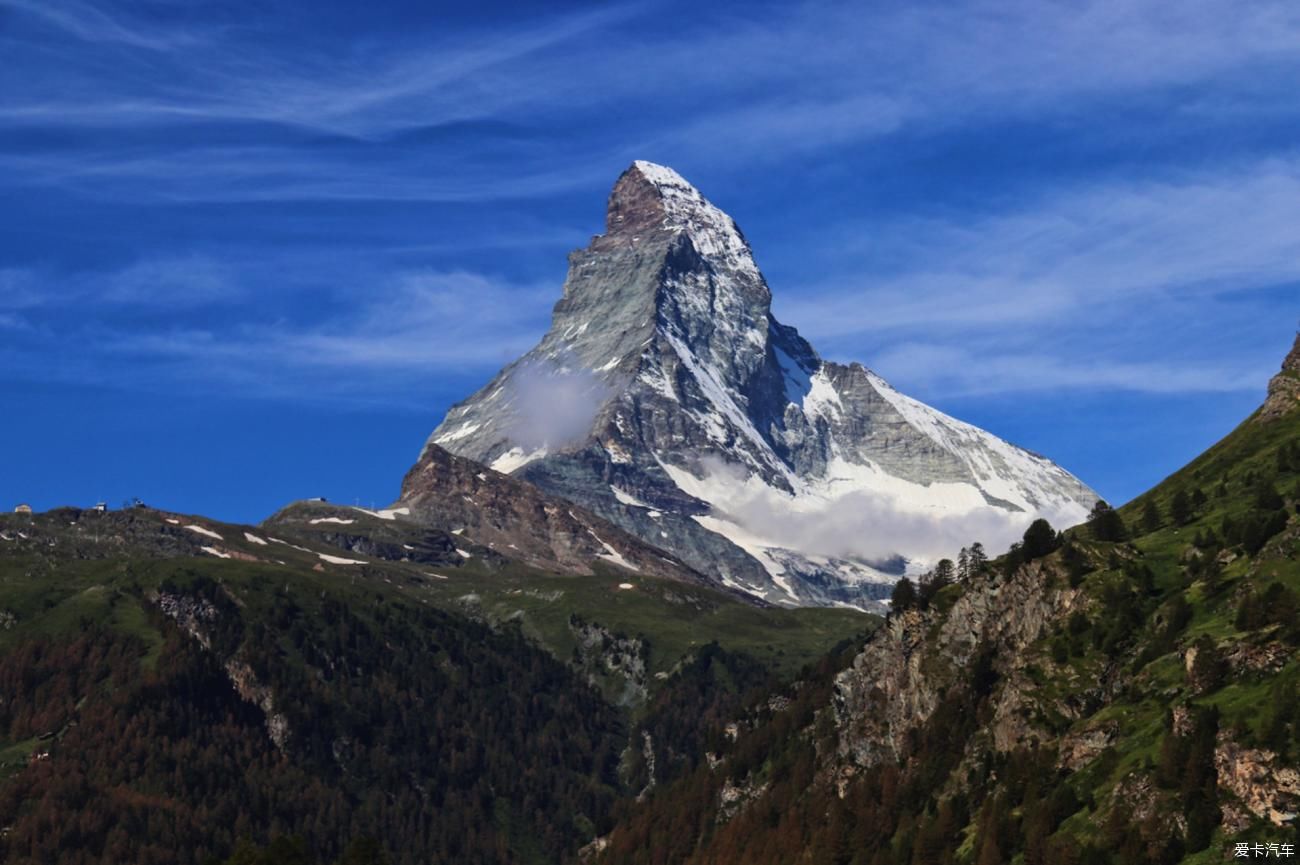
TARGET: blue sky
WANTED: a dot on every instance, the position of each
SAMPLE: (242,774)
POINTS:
(252,251)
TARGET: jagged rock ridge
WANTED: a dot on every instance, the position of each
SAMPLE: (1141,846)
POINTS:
(668,399)
(1284,388)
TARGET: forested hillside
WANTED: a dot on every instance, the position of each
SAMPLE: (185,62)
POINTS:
(1122,693)
(166,703)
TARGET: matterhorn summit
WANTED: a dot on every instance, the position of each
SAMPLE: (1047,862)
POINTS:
(667,399)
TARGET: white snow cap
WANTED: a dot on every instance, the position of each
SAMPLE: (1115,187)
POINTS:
(716,234)
(661,175)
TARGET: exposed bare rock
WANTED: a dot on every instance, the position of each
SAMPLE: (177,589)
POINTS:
(667,399)
(1251,658)
(192,615)
(514,518)
(1138,797)
(648,754)
(896,682)
(605,657)
(1079,749)
(195,616)
(1283,388)
(1236,819)
(253,691)
(1266,787)
(733,797)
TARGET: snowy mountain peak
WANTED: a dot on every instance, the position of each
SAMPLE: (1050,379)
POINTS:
(661,175)
(668,400)
(650,199)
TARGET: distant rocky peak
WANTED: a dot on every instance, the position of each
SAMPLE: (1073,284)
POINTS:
(667,398)
(672,269)
(1284,388)
(649,201)
(1292,361)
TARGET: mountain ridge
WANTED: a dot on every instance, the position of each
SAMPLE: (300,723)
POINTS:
(1122,695)
(666,386)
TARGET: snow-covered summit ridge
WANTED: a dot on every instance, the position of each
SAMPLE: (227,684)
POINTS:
(669,400)
(683,208)
(662,175)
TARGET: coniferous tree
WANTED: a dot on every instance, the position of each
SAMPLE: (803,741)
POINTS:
(1266,496)
(1180,509)
(1151,518)
(1105,523)
(1211,575)
(1040,539)
(1209,668)
(364,851)
(903,597)
(990,853)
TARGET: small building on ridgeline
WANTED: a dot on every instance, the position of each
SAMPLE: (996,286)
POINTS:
(23,509)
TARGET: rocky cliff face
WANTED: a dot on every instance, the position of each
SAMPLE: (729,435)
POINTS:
(667,399)
(1284,388)
(514,519)
(896,682)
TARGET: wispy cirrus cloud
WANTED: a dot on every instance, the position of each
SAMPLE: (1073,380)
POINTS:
(325,202)
(957,370)
(172,282)
(95,23)
(734,91)
(372,345)
(1029,299)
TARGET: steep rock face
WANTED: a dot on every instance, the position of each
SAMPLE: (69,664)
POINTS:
(668,400)
(196,616)
(457,496)
(1260,780)
(896,682)
(1284,388)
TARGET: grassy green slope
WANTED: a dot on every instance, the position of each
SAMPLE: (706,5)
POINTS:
(1192,611)
(51,587)
(68,577)
(1191,580)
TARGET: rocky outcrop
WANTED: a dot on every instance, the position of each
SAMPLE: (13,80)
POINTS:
(1081,748)
(668,400)
(1263,784)
(251,690)
(1283,388)
(733,797)
(196,616)
(1138,797)
(614,659)
(192,615)
(459,497)
(896,682)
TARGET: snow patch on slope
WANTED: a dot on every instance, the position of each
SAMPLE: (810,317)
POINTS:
(515,459)
(851,521)
(335,560)
(386,513)
(628,499)
(1006,472)
(611,554)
